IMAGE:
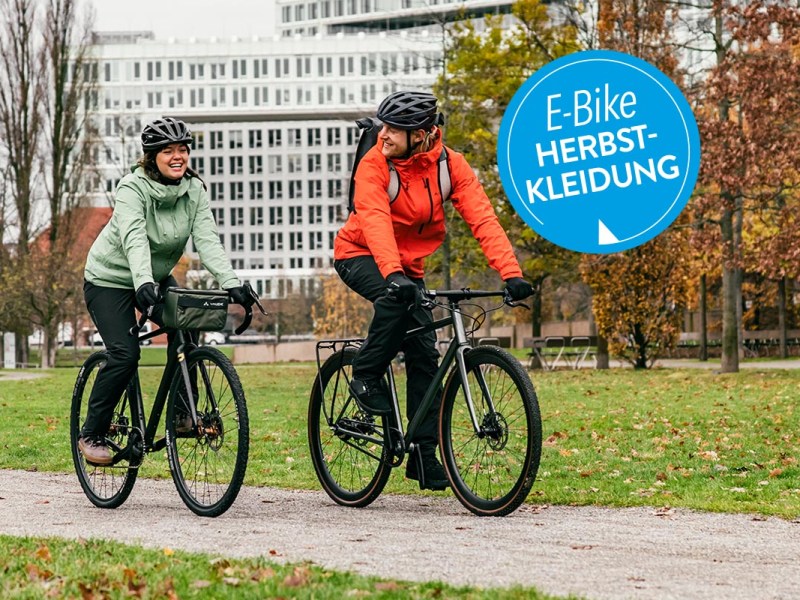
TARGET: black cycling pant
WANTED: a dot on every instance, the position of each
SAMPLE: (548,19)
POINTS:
(386,338)
(112,310)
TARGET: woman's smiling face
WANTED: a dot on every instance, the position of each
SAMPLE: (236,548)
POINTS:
(173,160)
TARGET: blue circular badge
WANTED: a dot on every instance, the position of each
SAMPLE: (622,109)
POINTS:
(598,152)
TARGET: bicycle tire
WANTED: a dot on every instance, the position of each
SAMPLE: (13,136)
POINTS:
(352,472)
(492,474)
(105,486)
(208,466)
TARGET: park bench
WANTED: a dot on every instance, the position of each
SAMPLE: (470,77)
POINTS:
(554,350)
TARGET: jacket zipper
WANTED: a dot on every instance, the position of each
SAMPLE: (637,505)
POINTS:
(430,200)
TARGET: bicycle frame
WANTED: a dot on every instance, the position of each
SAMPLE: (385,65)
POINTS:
(456,351)
(148,431)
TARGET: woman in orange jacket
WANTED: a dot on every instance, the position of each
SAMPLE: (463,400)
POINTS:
(380,253)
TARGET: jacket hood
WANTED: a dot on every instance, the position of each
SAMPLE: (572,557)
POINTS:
(165,196)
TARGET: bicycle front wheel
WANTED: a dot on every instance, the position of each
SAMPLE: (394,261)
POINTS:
(492,469)
(208,462)
(110,485)
(347,449)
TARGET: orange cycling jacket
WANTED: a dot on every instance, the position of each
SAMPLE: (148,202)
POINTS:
(400,234)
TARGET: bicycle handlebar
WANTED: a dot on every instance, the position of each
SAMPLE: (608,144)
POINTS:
(468,294)
(248,310)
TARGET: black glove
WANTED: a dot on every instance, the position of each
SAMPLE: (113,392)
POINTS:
(518,288)
(402,289)
(241,295)
(147,295)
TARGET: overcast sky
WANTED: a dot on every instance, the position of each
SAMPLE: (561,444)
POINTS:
(187,18)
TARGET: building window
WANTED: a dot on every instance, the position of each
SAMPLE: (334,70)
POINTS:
(275,164)
(256,190)
(295,162)
(314,163)
(276,215)
(275,190)
(237,190)
(257,241)
(335,188)
(217,167)
(235,139)
(295,137)
(275,241)
(216,140)
(334,136)
(296,240)
(334,163)
(254,137)
(256,165)
(315,188)
(219,215)
(314,136)
(217,191)
(295,215)
(256,215)
(237,165)
(199,164)
(237,217)
(237,242)
(315,214)
(274,138)
(314,240)
(295,189)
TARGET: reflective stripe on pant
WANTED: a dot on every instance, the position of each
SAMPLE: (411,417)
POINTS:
(386,338)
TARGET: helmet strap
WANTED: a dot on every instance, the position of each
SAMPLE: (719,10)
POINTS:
(411,148)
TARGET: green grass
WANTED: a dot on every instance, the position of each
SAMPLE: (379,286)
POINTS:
(152,356)
(53,568)
(676,437)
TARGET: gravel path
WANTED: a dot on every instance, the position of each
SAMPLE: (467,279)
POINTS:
(592,552)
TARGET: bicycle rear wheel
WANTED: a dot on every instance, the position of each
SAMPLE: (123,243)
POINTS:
(208,463)
(492,471)
(106,486)
(352,470)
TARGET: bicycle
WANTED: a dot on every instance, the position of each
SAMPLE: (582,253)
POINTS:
(490,430)
(207,460)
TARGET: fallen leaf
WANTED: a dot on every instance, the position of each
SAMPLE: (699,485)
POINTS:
(389,586)
(234,581)
(43,552)
(582,547)
(261,574)
(168,551)
(200,584)
(298,578)
(664,511)
(775,472)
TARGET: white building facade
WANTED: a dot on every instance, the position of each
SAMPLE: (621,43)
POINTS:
(273,120)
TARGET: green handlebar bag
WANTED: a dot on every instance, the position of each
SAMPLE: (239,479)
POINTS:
(203,310)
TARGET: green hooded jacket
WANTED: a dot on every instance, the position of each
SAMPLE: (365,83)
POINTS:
(148,232)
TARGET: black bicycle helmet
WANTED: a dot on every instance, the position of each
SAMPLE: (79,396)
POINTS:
(162,132)
(409,110)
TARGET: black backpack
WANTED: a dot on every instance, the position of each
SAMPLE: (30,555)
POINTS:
(370,127)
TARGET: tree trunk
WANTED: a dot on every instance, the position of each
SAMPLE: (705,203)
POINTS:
(784,350)
(602,357)
(730,296)
(49,345)
(703,320)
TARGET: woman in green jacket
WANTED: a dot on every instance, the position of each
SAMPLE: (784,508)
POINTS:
(158,206)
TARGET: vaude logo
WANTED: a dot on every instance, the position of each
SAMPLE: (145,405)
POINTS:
(217,304)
